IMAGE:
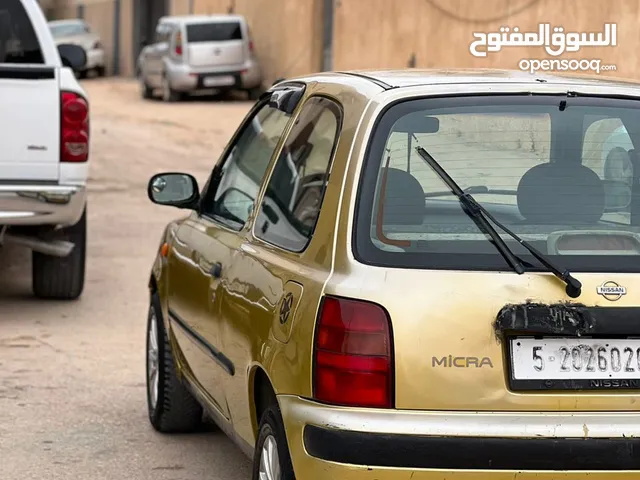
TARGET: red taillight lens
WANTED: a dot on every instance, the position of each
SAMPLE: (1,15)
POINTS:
(74,128)
(178,49)
(352,355)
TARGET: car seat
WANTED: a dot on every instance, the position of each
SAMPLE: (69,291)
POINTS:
(566,194)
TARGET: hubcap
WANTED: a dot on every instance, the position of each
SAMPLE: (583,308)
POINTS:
(269,460)
(152,360)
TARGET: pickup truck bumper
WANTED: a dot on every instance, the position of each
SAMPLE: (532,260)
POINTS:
(59,205)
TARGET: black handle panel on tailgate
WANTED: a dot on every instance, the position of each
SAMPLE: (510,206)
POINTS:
(26,73)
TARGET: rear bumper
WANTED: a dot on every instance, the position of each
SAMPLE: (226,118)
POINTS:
(95,58)
(41,204)
(185,78)
(350,444)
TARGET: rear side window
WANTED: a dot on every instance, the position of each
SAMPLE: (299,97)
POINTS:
(293,198)
(214,32)
(18,41)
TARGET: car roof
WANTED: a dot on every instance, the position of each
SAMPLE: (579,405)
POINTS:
(202,18)
(410,77)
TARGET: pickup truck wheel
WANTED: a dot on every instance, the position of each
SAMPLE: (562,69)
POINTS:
(62,278)
(172,408)
(271,458)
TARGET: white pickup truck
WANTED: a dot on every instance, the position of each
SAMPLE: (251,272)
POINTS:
(44,150)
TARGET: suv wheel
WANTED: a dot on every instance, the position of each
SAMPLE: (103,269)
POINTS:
(62,278)
(172,408)
(168,93)
(254,93)
(271,459)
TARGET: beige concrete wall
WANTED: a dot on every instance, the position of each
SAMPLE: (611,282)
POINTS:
(385,33)
(287,33)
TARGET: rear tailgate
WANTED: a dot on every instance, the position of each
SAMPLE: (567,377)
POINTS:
(215,44)
(29,101)
(30,123)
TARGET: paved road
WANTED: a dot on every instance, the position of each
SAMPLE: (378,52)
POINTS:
(72,395)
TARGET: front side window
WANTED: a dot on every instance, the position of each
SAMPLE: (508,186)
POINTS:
(294,194)
(559,177)
(18,40)
(230,197)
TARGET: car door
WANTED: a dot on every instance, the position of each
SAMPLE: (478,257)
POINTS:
(206,245)
(276,273)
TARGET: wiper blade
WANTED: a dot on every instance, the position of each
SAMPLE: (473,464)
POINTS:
(480,214)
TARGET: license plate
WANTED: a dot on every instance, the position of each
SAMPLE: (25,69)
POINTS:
(218,81)
(587,362)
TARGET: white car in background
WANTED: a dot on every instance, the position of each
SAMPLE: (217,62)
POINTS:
(78,32)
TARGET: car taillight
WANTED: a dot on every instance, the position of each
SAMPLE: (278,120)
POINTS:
(178,49)
(74,128)
(353,354)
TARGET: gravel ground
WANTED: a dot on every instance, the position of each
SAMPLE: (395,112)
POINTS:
(72,391)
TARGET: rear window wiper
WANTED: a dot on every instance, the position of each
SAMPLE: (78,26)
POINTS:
(480,215)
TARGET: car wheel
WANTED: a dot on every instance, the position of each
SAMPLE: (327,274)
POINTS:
(100,71)
(168,93)
(62,278)
(271,459)
(145,90)
(172,408)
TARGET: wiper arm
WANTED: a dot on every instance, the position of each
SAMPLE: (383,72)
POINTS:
(480,214)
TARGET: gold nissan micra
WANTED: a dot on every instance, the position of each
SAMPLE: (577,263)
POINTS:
(410,275)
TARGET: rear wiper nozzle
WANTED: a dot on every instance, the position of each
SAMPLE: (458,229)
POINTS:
(480,215)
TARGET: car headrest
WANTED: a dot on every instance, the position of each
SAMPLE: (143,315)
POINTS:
(404,199)
(553,193)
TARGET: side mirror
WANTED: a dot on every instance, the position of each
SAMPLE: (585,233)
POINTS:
(174,189)
(72,56)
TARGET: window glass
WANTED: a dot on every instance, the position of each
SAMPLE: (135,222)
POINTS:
(214,32)
(245,167)
(294,194)
(163,31)
(562,179)
(18,41)
(67,29)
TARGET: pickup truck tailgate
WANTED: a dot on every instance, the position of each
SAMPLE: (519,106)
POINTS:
(29,123)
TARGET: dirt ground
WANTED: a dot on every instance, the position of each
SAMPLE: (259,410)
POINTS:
(72,381)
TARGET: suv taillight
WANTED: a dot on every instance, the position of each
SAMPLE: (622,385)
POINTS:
(178,49)
(74,128)
(353,354)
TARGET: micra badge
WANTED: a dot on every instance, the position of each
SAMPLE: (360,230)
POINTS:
(611,291)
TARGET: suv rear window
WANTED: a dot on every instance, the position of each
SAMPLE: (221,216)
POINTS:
(561,178)
(214,32)
(18,41)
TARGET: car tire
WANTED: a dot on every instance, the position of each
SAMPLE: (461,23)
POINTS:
(168,93)
(272,451)
(62,278)
(171,406)
(145,90)
(100,71)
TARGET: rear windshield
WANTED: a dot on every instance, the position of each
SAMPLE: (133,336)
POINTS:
(18,41)
(214,32)
(561,177)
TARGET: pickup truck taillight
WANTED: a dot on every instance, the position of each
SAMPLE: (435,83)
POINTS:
(74,128)
(353,354)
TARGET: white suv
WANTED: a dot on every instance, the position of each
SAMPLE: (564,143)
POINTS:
(200,52)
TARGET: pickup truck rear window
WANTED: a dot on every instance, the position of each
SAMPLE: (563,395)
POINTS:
(18,40)
(214,32)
